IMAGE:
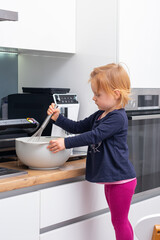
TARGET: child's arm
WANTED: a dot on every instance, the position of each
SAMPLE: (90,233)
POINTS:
(54,111)
(68,125)
(104,130)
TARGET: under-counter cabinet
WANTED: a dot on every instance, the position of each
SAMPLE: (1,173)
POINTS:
(70,201)
(19,217)
(43,25)
(75,211)
(80,209)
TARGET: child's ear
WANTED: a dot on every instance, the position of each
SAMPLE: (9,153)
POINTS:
(117,94)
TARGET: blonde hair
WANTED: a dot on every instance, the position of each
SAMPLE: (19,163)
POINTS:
(112,77)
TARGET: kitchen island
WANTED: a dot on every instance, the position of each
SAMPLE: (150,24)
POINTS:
(59,204)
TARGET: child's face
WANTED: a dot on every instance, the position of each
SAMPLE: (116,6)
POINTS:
(105,101)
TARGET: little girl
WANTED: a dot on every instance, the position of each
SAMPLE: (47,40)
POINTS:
(105,133)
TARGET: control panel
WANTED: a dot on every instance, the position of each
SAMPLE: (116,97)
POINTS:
(65,98)
(144,99)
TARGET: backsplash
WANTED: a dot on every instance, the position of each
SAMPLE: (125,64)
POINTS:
(8,75)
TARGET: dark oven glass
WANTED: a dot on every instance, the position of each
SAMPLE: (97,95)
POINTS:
(144,150)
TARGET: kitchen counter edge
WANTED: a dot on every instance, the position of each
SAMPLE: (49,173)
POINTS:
(69,170)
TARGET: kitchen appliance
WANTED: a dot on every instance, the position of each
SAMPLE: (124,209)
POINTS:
(35,102)
(9,130)
(7,172)
(143,111)
(69,107)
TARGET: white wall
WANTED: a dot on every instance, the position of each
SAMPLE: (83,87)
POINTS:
(96,46)
(139,41)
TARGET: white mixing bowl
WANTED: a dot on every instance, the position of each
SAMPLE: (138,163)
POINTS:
(36,155)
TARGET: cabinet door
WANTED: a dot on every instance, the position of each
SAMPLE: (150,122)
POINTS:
(19,217)
(9,29)
(69,201)
(43,25)
(96,228)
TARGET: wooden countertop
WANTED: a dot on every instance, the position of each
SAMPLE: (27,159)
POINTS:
(70,169)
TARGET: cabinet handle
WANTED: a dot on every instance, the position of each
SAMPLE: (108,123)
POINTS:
(143,117)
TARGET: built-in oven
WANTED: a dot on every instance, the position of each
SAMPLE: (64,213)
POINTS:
(143,113)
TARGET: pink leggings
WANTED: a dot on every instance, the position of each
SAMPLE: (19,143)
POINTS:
(119,198)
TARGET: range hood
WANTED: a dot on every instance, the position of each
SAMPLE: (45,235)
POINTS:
(6,15)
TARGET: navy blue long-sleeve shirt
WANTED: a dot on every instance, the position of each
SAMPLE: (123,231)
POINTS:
(107,156)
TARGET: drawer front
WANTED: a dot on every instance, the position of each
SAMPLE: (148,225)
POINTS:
(69,201)
(19,217)
(95,228)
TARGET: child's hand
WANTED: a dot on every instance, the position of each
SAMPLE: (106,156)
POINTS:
(54,110)
(56,145)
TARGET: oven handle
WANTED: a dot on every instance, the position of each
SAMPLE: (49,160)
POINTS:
(143,117)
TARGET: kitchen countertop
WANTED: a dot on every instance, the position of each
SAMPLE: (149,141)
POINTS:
(69,170)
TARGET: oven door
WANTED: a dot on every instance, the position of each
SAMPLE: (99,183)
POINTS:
(144,149)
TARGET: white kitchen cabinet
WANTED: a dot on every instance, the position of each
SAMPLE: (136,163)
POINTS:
(43,25)
(100,227)
(19,217)
(95,228)
(138,41)
(70,201)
